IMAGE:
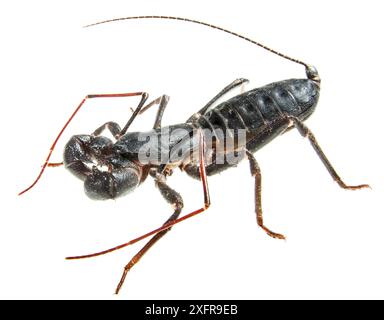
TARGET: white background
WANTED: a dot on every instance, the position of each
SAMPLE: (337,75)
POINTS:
(48,63)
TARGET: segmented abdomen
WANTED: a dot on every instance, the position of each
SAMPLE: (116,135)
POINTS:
(263,112)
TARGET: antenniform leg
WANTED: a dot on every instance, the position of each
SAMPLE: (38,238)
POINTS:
(115,129)
(144,97)
(176,200)
(306,133)
(255,171)
(171,196)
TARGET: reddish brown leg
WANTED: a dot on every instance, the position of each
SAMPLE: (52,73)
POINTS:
(115,129)
(256,172)
(306,133)
(90,96)
(174,198)
(54,164)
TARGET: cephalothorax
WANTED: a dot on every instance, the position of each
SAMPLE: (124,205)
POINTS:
(111,169)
